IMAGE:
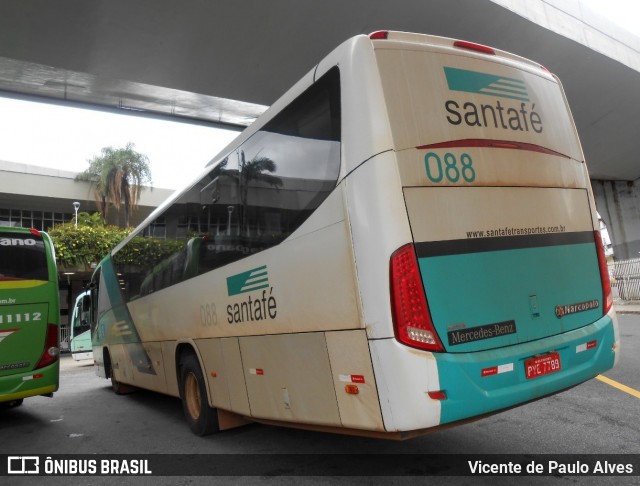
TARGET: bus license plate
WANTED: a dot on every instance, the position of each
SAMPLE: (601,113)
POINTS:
(542,365)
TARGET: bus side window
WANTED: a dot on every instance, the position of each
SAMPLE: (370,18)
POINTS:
(84,315)
(93,302)
(251,200)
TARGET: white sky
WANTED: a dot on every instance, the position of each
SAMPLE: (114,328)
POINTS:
(66,138)
(625,13)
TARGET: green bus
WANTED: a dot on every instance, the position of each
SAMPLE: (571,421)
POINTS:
(29,316)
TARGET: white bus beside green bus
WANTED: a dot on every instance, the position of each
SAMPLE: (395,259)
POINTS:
(406,240)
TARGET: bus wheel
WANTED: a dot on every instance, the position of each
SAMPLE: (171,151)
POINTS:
(202,419)
(116,386)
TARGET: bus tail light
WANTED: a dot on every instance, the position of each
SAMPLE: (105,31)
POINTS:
(472,46)
(379,35)
(412,323)
(607,297)
(437,395)
(51,348)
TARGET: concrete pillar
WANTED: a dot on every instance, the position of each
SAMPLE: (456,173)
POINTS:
(618,203)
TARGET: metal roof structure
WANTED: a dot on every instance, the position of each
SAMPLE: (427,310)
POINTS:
(225,62)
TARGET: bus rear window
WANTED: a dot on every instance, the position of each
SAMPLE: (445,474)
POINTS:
(22,257)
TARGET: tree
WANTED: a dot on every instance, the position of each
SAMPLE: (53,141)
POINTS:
(255,169)
(94,220)
(119,176)
(258,169)
(78,247)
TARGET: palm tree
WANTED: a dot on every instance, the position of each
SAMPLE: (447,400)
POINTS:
(255,170)
(119,176)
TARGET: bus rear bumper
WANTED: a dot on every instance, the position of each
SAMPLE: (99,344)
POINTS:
(33,383)
(80,356)
(487,381)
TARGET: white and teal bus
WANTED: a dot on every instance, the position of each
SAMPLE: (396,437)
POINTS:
(407,239)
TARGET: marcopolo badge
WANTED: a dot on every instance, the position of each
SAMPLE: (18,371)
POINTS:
(565,310)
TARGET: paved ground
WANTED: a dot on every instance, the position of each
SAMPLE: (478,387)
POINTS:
(628,307)
(85,417)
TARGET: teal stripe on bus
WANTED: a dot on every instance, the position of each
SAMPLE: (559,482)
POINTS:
(468,291)
(469,393)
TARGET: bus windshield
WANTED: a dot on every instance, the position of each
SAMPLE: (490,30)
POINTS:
(23,257)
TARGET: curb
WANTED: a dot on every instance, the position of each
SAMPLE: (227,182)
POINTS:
(627,311)
(630,307)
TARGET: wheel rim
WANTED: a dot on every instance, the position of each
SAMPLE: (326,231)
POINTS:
(192,396)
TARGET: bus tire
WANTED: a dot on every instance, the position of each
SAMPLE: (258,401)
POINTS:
(201,418)
(118,387)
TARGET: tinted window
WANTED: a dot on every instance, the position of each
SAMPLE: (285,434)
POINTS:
(22,256)
(82,316)
(254,199)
